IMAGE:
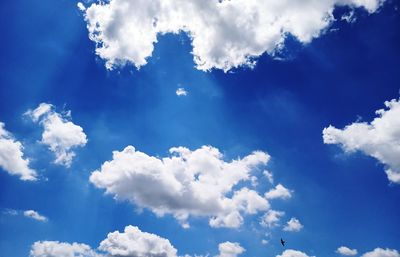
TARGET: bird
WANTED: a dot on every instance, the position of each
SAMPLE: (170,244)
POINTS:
(283,242)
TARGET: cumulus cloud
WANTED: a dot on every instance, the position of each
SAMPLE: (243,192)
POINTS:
(181,92)
(224,34)
(379,139)
(34,215)
(379,252)
(59,249)
(132,242)
(12,158)
(229,249)
(293,253)
(186,183)
(60,134)
(293,225)
(278,192)
(271,218)
(343,250)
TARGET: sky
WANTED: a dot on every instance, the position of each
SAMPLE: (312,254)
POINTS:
(173,128)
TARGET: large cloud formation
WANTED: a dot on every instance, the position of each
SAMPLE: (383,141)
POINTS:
(197,183)
(130,243)
(379,139)
(225,34)
(59,133)
(12,158)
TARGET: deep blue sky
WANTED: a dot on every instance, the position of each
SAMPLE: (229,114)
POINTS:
(280,107)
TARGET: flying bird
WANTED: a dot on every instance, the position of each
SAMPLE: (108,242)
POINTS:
(283,242)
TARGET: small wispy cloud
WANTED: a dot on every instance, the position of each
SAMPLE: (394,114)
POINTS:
(27,213)
(181,92)
(35,215)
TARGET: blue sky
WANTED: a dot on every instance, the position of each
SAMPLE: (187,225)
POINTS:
(280,107)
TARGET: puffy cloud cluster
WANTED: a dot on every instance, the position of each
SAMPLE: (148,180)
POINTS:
(379,252)
(293,253)
(271,218)
(224,34)
(343,250)
(12,158)
(34,215)
(60,134)
(130,243)
(198,183)
(379,139)
(59,249)
(293,225)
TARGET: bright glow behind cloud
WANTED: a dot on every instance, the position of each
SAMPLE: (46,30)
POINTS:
(225,34)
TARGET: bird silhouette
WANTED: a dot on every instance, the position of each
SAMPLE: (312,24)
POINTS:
(283,242)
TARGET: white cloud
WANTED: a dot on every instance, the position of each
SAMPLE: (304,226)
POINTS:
(12,158)
(60,134)
(80,6)
(187,183)
(224,34)
(131,243)
(278,192)
(349,17)
(181,92)
(59,249)
(379,138)
(11,212)
(229,249)
(35,215)
(271,218)
(343,250)
(293,225)
(379,252)
(134,242)
(293,253)
(269,176)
